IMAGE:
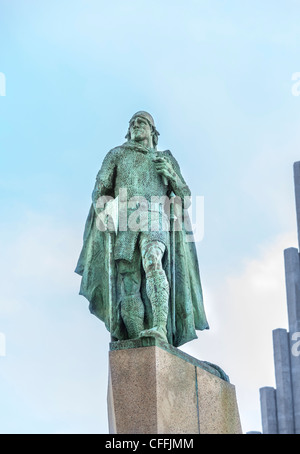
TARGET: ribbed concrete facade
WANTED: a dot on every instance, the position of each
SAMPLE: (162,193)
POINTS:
(280,407)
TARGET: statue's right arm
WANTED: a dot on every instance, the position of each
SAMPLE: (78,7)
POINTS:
(105,179)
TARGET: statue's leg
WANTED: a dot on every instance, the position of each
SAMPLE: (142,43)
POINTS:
(157,286)
(132,306)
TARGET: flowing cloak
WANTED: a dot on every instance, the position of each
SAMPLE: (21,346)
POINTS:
(95,266)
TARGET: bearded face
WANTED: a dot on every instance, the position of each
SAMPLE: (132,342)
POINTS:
(140,130)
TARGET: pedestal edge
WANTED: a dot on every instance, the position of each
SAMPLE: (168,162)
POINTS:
(152,342)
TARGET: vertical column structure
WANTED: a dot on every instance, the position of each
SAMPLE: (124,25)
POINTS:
(297,196)
(284,393)
(268,410)
(286,346)
(292,276)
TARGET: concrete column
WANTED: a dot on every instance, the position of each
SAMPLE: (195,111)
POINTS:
(292,278)
(297,196)
(292,283)
(284,394)
(268,410)
(295,375)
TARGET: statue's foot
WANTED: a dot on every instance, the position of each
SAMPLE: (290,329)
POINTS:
(156,332)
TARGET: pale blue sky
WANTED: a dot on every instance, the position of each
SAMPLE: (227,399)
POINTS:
(216,76)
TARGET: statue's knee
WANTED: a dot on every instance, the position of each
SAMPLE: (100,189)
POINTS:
(152,261)
(152,254)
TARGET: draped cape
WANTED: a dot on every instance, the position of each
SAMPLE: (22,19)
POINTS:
(100,283)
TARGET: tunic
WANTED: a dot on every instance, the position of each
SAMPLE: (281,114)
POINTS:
(131,166)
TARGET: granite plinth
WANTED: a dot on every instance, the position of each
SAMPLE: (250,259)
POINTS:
(153,391)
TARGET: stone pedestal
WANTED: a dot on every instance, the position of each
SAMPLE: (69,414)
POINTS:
(158,389)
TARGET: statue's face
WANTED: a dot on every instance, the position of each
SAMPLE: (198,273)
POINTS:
(140,129)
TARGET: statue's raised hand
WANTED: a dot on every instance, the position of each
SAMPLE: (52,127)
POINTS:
(165,168)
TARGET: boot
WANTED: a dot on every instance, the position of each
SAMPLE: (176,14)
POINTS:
(157,288)
(132,313)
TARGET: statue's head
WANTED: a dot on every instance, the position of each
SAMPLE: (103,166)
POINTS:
(142,125)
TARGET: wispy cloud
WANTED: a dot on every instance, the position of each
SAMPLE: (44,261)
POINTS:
(244,309)
(52,362)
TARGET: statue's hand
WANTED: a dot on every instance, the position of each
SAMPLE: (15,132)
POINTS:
(165,169)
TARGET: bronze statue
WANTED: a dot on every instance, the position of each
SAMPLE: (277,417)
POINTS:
(141,275)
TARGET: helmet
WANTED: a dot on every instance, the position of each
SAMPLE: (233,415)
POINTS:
(149,118)
(142,113)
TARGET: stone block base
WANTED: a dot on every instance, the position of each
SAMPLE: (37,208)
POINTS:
(158,389)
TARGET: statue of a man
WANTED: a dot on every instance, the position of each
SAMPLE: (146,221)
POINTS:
(144,281)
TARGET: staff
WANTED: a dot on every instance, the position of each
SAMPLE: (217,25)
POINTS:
(172,254)
(112,216)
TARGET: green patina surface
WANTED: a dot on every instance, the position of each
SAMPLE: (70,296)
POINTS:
(141,283)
